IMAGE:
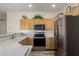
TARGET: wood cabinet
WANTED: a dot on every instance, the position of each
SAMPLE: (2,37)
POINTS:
(26,41)
(24,24)
(47,43)
(38,21)
(30,41)
(50,43)
(29,23)
(49,24)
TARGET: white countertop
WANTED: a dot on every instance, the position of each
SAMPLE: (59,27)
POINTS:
(11,41)
(15,50)
(11,47)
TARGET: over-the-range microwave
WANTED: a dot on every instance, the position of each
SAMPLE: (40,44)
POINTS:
(39,27)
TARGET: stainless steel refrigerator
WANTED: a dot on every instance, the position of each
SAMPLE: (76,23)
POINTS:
(67,36)
(59,33)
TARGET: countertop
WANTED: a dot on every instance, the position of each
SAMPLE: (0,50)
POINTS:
(11,47)
(3,35)
(11,41)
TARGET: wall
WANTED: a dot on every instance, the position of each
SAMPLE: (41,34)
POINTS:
(13,19)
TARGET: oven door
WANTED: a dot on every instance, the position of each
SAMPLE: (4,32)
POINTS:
(39,42)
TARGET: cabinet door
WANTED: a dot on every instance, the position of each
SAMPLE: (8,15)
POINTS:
(38,21)
(26,24)
(30,41)
(24,42)
(21,24)
(47,43)
(52,43)
(30,24)
(49,24)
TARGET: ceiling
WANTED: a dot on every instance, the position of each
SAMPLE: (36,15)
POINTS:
(36,7)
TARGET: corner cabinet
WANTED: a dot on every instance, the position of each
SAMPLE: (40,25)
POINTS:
(50,43)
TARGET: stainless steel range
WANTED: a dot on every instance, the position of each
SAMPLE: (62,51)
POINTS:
(39,36)
(39,39)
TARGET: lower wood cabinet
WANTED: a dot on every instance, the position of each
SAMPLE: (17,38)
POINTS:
(50,43)
(30,41)
(26,41)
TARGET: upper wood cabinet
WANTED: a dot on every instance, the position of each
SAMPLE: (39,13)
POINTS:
(49,24)
(38,21)
(24,24)
(29,23)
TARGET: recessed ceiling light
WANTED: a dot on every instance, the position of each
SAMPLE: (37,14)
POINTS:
(53,5)
(30,5)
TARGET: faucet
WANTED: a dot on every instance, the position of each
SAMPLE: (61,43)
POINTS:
(13,36)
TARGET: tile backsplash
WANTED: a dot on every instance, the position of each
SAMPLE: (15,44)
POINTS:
(48,33)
